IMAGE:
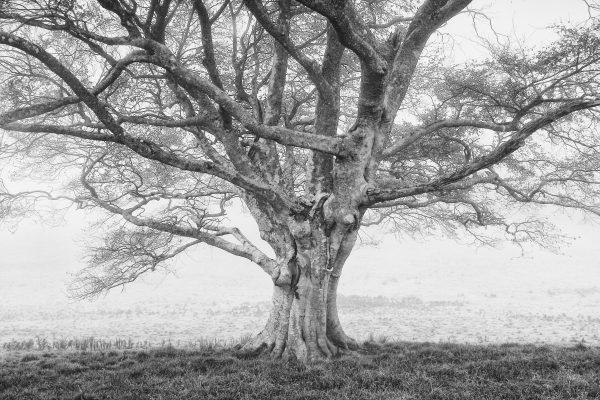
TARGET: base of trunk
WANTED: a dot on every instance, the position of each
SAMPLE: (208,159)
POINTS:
(273,338)
(302,325)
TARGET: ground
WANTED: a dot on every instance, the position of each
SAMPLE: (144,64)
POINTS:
(379,371)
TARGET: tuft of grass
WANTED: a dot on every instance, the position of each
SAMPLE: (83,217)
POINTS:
(96,344)
(382,369)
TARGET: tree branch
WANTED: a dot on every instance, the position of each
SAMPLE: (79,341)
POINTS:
(351,31)
(245,249)
(152,151)
(429,17)
(313,70)
(516,141)
(420,133)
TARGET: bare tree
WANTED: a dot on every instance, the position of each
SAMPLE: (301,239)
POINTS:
(320,116)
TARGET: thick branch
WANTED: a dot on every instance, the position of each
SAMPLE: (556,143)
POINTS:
(56,66)
(152,151)
(209,60)
(430,16)
(327,115)
(192,82)
(245,249)
(351,31)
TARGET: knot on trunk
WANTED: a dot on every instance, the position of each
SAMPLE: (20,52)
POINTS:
(319,207)
(285,274)
(349,219)
(309,207)
(301,231)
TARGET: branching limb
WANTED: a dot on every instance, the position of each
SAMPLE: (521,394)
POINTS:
(352,32)
(516,141)
(200,233)
(421,133)
(281,135)
(429,17)
(187,79)
(311,67)
(152,151)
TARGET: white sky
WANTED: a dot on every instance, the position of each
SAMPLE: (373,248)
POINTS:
(524,22)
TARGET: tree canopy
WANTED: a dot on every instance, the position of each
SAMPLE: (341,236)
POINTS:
(320,116)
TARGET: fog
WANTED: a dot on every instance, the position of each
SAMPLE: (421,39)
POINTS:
(429,289)
(435,289)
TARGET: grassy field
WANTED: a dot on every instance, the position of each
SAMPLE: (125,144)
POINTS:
(379,371)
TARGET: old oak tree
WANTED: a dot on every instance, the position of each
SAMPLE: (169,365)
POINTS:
(320,116)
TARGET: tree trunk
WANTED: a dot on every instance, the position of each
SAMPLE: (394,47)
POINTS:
(274,337)
(304,323)
(312,248)
(335,332)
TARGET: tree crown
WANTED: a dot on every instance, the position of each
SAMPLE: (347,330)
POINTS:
(163,112)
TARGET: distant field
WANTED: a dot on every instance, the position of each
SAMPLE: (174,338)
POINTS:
(409,319)
(379,371)
(437,291)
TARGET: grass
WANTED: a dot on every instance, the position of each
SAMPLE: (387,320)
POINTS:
(94,344)
(382,370)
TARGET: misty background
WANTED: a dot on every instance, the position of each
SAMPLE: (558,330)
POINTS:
(429,289)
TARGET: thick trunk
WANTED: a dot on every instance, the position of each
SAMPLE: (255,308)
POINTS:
(307,337)
(304,322)
(312,248)
(335,332)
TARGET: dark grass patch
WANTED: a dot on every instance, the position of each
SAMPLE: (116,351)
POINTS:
(379,371)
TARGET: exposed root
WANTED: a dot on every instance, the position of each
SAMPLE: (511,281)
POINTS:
(303,325)
(274,336)
(259,344)
(340,339)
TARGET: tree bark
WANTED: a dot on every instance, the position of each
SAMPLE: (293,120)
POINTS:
(335,332)
(303,323)
(312,248)
(274,337)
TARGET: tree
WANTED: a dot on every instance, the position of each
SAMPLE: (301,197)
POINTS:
(320,116)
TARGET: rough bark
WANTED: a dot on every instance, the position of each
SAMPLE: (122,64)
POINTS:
(304,322)
(312,249)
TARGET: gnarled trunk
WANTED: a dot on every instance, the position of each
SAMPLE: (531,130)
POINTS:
(312,248)
(304,322)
